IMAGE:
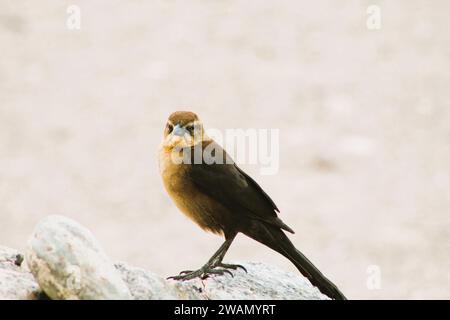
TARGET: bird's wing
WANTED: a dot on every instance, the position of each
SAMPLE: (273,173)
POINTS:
(233,188)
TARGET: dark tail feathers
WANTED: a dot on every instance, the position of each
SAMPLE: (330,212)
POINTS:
(275,239)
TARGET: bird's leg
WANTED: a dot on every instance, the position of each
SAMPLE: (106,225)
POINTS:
(218,262)
(213,266)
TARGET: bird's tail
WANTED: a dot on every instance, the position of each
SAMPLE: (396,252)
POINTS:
(275,239)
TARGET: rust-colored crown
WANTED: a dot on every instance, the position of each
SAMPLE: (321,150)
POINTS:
(182,117)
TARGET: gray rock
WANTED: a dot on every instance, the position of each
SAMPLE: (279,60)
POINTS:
(68,263)
(262,282)
(16,282)
(145,285)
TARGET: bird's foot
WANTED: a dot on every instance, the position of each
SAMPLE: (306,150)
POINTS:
(206,271)
(231,266)
(202,273)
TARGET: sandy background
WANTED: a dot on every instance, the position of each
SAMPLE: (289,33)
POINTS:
(364,119)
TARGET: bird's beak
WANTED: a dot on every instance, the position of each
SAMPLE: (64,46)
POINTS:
(178,131)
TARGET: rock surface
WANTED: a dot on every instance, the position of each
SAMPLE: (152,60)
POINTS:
(261,282)
(146,285)
(15,281)
(68,263)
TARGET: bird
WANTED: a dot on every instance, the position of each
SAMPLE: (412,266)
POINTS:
(210,189)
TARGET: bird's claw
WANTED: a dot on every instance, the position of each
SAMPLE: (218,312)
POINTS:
(232,266)
(184,277)
(219,272)
(181,274)
(185,272)
(203,273)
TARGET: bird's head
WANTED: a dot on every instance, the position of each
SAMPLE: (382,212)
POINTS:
(183,130)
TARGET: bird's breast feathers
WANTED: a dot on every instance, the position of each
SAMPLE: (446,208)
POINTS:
(194,204)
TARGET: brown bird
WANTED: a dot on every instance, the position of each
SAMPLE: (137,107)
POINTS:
(208,187)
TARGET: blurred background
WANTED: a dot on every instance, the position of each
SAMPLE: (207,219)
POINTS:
(364,119)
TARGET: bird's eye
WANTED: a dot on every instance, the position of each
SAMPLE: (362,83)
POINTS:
(169,128)
(190,129)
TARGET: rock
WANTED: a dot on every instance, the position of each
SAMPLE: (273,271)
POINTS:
(68,263)
(146,285)
(15,281)
(261,282)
